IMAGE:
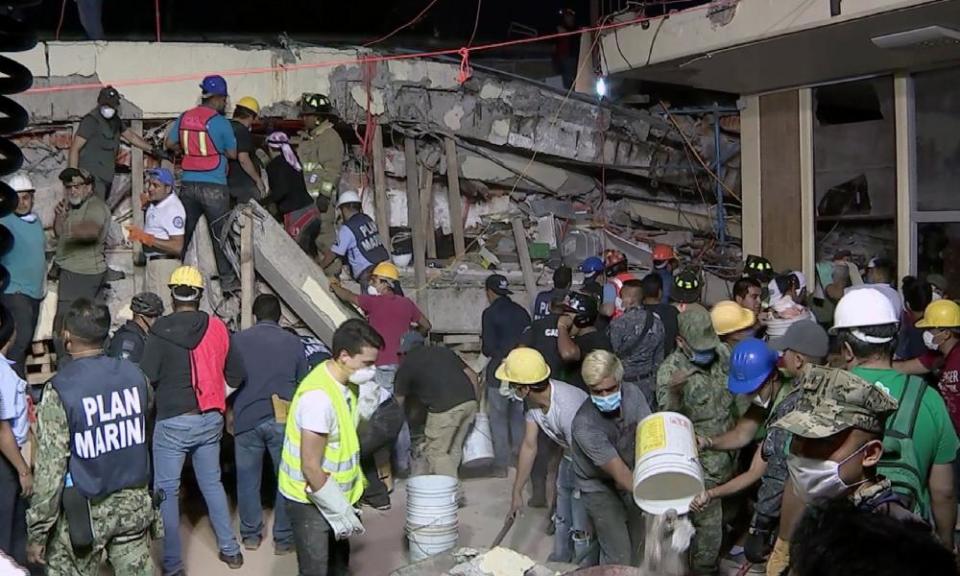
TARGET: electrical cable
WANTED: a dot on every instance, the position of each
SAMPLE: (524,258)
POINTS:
(403,27)
(63,11)
(476,23)
(156,17)
(696,154)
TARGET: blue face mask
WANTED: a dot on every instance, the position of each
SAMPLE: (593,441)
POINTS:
(607,403)
(703,357)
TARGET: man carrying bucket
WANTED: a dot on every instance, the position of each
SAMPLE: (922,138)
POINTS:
(604,450)
(552,407)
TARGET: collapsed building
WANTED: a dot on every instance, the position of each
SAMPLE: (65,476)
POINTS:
(468,174)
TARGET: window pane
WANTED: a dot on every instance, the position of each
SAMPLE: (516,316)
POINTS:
(937,95)
(938,252)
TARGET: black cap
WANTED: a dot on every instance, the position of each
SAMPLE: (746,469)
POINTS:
(807,338)
(686,287)
(758,267)
(75,176)
(109,97)
(148,304)
(497,283)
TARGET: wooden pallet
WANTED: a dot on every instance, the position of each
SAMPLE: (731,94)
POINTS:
(41,362)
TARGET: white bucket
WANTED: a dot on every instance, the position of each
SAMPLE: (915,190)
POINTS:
(431,500)
(667,473)
(426,541)
(479,443)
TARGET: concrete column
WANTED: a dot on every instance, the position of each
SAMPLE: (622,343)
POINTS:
(905,118)
(808,232)
(751,216)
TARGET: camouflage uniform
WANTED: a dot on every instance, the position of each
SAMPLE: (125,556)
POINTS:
(121,521)
(704,399)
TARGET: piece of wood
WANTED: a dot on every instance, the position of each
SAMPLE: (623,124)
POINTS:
(247,272)
(416,225)
(136,189)
(526,266)
(426,211)
(453,196)
(381,204)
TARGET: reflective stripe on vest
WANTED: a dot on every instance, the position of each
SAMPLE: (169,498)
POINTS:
(200,153)
(617,282)
(343,463)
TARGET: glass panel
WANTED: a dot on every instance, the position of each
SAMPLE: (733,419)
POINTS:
(938,252)
(937,97)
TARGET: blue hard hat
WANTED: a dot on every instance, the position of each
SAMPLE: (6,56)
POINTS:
(750,366)
(162,175)
(591,265)
(214,86)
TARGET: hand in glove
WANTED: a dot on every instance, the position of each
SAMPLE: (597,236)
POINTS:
(138,235)
(161,153)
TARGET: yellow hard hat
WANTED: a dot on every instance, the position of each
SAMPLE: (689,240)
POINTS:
(250,103)
(387,270)
(729,317)
(523,366)
(186,276)
(941,314)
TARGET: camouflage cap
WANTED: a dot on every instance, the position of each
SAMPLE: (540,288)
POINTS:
(696,328)
(833,400)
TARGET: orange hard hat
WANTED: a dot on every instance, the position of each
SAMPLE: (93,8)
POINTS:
(663,252)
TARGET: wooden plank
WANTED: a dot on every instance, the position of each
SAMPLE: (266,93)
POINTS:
(426,211)
(523,251)
(416,225)
(136,183)
(247,273)
(453,196)
(780,191)
(380,203)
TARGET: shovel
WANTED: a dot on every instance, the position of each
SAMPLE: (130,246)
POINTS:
(507,525)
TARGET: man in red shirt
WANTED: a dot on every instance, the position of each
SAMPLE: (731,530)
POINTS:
(392,315)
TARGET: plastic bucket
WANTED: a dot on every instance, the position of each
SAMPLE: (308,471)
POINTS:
(431,500)
(668,473)
(479,443)
(426,541)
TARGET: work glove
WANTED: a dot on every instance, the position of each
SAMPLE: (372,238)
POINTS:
(341,516)
(137,234)
(779,559)
(161,153)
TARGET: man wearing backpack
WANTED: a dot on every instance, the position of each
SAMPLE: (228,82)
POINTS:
(920,442)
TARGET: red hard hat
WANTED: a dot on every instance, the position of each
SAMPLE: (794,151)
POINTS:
(663,252)
(612,257)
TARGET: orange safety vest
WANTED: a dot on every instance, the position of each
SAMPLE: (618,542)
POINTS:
(200,154)
(617,282)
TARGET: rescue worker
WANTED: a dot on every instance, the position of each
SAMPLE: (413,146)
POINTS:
(592,269)
(653,302)
(129,340)
(301,218)
(604,449)
(732,323)
(552,406)
(81,225)
(358,240)
(577,334)
(320,462)
(206,139)
(92,466)
(748,293)
(693,382)
(97,141)
(322,152)
(615,270)
(636,338)
(27,266)
(562,280)
(758,268)
(243,174)
(664,262)
(163,231)
(686,289)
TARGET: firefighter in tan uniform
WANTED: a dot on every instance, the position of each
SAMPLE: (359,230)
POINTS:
(321,151)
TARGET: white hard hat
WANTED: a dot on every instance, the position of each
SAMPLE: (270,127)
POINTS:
(348,197)
(863,307)
(20,183)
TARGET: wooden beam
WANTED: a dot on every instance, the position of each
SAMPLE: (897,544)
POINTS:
(426,211)
(247,272)
(380,202)
(136,183)
(416,225)
(453,197)
(523,251)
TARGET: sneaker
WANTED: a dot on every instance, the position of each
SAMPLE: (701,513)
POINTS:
(377,504)
(233,561)
(283,549)
(251,543)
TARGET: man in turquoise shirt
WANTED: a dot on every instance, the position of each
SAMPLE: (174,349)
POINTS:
(205,138)
(27,266)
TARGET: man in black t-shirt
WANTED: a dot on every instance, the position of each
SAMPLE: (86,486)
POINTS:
(243,174)
(542,334)
(668,313)
(578,336)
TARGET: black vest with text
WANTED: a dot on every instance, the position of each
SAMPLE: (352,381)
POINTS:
(368,238)
(105,400)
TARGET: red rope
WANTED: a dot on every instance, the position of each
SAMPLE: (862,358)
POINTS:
(465,72)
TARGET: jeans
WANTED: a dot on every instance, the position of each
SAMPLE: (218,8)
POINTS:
(573,531)
(506,425)
(196,435)
(318,552)
(91,13)
(13,514)
(25,311)
(618,524)
(213,202)
(249,447)
(71,287)
(378,433)
(401,450)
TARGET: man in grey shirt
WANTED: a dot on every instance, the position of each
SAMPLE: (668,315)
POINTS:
(637,338)
(604,442)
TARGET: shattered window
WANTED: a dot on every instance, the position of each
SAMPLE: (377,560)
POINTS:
(937,98)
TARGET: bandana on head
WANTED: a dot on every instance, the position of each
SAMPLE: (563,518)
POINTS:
(280,141)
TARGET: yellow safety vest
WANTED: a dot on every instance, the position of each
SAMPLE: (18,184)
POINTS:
(342,463)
